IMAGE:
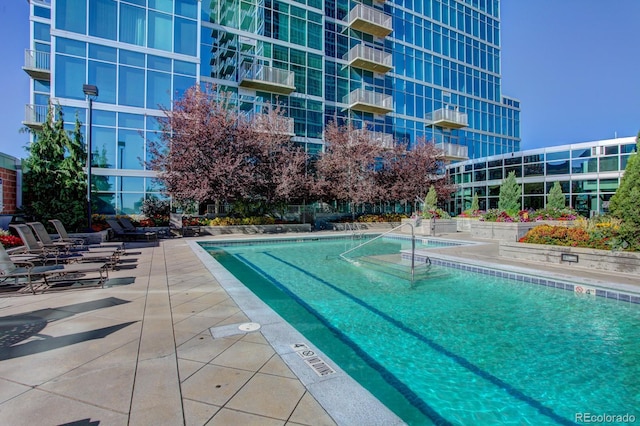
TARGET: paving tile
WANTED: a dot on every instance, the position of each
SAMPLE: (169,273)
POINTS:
(32,407)
(156,398)
(10,390)
(114,372)
(277,367)
(252,397)
(203,347)
(245,356)
(255,337)
(310,412)
(198,413)
(187,367)
(214,384)
(226,417)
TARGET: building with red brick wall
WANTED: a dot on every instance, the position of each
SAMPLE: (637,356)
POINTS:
(11,184)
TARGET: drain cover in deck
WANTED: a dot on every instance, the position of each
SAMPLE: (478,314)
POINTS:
(249,326)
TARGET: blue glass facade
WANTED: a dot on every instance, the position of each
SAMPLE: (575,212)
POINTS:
(406,69)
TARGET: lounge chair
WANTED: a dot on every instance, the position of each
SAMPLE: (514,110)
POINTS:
(128,225)
(64,236)
(45,277)
(45,240)
(123,234)
(59,253)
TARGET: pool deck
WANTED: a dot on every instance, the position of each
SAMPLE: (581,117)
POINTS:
(172,341)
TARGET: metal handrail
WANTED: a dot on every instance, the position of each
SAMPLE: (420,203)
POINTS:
(413,245)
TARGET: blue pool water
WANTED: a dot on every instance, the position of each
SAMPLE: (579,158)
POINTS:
(455,347)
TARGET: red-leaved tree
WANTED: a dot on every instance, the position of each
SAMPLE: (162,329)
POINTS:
(210,152)
(346,171)
(279,166)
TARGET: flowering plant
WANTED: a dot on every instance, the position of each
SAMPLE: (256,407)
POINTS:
(472,213)
(10,241)
(564,236)
(435,213)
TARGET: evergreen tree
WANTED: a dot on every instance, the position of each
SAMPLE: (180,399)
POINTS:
(431,200)
(475,203)
(510,195)
(556,198)
(55,180)
(625,203)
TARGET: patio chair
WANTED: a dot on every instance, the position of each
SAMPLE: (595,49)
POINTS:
(130,227)
(57,253)
(45,239)
(64,236)
(123,234)
(44,277)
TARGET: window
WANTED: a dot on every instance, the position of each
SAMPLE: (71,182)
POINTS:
(130,150)
(71,15)
(103,75)
(69,76)
(185,38)
(158,89)
(558,167)
(131,88)
(160,31)
(103,19)
(132,24)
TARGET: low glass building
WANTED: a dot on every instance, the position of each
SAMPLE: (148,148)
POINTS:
(589,174)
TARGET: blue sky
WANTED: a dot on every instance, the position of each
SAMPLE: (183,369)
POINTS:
(573,64)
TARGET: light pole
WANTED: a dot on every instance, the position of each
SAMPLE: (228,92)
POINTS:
(91,92)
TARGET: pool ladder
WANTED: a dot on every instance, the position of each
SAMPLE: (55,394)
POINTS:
(356,232)
(413,247)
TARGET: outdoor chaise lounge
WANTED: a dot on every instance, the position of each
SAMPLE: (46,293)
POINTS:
(120,232)
(22,274)
(59,253)
(64,236)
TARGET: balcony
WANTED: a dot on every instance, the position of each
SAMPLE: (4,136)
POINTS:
(368,58)
(449,118)
(454,152)
(285,127)
(35,116)
(370,21)
(384,140)
(37,64)
(267,79)
(368,101)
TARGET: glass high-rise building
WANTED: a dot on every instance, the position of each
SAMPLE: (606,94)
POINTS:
(406,69)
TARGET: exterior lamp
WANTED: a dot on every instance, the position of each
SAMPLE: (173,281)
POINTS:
(91,92)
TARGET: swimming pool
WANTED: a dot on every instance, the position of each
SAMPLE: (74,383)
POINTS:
(460,347)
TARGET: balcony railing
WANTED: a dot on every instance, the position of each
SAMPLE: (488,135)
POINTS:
(369,20)
(286,127)
(450,118)
(268,79)
(384,140)
(37,64)
(369,58)
(454,152)
(35,116)
(368,101)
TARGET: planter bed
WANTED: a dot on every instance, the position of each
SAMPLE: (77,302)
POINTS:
(509,231)
(254,229)
(604,260)
(363,226)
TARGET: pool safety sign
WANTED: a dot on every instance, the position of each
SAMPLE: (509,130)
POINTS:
(580,289)
(310,357)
